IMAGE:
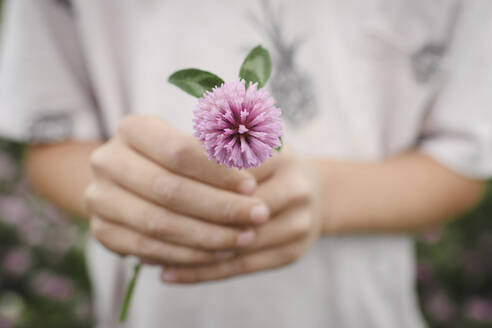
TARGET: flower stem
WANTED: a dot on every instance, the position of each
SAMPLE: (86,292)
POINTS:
(129,292)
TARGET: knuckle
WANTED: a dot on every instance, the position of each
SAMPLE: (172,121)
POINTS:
(98,158)
(99,229)
(204,241)
(217,241)
(300,190)
(226,240)
(230,211)
(167,188)
(241,266)
(145,247)
(105,157)
(196,257)
(194,276)
(289,254)
(156,226)
(92,197)
(233,178)
(110,159)
(302,225)
(126,124)
(181,152)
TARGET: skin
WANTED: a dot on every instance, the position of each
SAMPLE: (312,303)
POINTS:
(171,206)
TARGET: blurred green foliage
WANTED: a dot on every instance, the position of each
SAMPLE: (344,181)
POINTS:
(43,275)
(454,270)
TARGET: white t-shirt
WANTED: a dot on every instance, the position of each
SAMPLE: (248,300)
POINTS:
(358,79)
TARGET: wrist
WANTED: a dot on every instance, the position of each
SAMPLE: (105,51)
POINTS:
(322,174)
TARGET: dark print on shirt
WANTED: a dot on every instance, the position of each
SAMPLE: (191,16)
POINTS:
(51,127)
(426,61)
(291,87)
(66,3)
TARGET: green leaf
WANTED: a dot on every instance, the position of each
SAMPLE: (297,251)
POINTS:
(257,66)
(195,81)
(279,148)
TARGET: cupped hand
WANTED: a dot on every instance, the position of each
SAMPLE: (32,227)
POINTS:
(157,196)
(288,187)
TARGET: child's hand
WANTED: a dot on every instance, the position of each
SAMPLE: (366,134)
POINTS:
(289,190)
(155,195)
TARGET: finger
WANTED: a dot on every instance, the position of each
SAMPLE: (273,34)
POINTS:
(219,256)
(104,199)
(177,193)
(284,189)
(260,261)
(182,154)
(286,227)
(126,242)
(269,167)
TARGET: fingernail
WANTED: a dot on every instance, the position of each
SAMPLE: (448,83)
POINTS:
(168,276)
(245,238)
(259,214)
(247,186)
(224,255)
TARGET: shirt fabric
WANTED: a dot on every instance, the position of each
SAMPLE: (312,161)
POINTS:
(358,79)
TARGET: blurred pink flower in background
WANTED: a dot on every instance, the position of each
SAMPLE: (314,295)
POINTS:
(472,264)
(425,274)
(60,238)
(5,323)
(479,309)
(14,210)
(16,261)
(33,232)
(52,286)
(37,222)
(440,307)
(32,257)
(238,127)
